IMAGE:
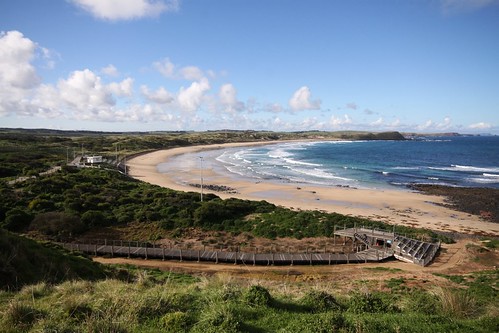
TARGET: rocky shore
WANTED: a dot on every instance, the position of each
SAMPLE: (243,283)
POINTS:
(483,202)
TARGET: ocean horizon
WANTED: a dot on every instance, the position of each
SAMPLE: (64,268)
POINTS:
(450,161)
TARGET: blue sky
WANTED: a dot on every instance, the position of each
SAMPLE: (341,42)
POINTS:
(282,65)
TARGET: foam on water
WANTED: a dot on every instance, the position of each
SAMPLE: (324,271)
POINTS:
(445,161)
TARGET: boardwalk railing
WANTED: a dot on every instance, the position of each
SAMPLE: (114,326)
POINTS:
(147,252)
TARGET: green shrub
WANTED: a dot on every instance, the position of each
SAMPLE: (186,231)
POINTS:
(257,296)
(457,303)
(175,322)
(217,319)
(422,302)
(320,301)
(370,303)
(20,317)
(17,220)
(316,323)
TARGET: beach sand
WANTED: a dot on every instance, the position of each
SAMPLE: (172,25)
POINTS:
(401,207)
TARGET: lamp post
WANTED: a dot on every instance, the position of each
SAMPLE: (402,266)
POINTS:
(201,159)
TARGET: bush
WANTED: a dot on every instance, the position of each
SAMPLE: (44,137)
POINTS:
(323,323)
(57,224)
(370,303)
(17,220)
(94,218)
(421,302)
(457,303)
(218,319)
(320,301)
(257,296)
(175,322)
(20,317)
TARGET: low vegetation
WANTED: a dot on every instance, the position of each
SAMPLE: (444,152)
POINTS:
(152,302)
(66,204)
(25,261)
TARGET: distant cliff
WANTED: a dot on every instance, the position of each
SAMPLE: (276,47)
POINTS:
(375,136)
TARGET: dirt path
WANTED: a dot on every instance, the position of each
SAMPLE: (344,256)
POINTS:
(455,258)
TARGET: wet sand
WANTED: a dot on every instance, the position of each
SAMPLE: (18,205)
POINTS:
(402,207)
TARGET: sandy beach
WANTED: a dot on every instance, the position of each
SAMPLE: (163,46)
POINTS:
(401,207)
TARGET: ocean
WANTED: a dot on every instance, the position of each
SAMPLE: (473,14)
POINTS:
(452,161)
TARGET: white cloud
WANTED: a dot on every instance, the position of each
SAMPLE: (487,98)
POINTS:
(16,54)
(115,10)
(301,100)
(165,67)
(427,125)
(18,77)
(159,96)
(123,88)
(228,98)
(85,94)
(445,125)
(169,70)
(110,70)
(377,122)
(339,122)
(189,99)
(480,125)
(191,73)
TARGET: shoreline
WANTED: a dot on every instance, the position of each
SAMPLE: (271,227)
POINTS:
(399,207)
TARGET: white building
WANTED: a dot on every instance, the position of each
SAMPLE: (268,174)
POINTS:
(94,159)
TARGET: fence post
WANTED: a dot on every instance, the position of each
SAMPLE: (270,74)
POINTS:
(112,250)
(180,255)
(254,259)
(163,252)
(199,256)
(146,251)
(216,257)
(95,250)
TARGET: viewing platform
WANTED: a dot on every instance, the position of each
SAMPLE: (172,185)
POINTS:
(402,248)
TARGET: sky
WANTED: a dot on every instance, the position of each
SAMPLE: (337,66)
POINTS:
(282,65)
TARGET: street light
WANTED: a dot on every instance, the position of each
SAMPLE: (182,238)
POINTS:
(201,159)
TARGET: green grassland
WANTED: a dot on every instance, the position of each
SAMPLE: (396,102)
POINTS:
(155,301)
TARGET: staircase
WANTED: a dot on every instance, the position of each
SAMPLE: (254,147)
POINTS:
(362,239)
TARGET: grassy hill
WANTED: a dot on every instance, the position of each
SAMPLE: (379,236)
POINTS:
(166,302)
(25,261)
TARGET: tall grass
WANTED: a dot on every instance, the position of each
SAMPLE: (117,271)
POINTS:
(457,303)
(223,304)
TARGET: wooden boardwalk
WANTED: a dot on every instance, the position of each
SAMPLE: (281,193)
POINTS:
(403,248)
(370,255)
(374,246)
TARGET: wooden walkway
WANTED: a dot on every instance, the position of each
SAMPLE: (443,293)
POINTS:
(403,248)
(370,255)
